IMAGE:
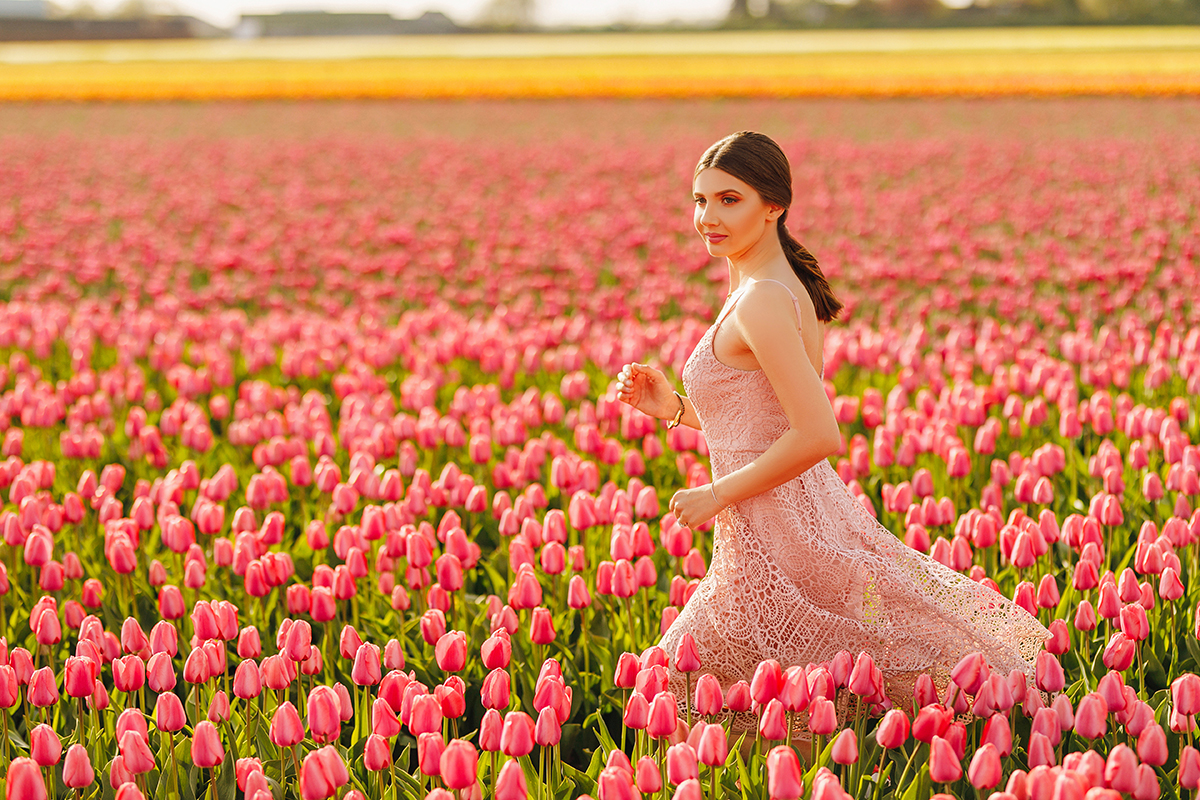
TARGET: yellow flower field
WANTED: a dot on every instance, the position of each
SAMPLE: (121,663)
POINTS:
(779,64)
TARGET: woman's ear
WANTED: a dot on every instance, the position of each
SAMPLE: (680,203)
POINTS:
(774,212)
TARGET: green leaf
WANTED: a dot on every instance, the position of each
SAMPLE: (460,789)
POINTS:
(743,773)
(226,778)
(919,788)
(1155,674)
(601,730)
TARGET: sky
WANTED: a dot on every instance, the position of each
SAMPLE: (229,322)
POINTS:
(549,12)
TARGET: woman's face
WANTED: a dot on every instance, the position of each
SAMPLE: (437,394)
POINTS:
(730,215)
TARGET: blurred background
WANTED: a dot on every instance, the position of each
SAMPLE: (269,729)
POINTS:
(136,19)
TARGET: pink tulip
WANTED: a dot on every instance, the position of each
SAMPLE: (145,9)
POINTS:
(24,781)
(681,763)
(893,729)
(1185,693)
(1147,787)
(516,738)
(985,770)
(738,698)
(784,776)
(688,790)
(42,691)
(707,698)
(845,748)
(932,720)
(663,715)
(773,722)
(286,729)
(322,773)
(1189,768)
(970,672)
(510,785)
(1170,587)
(712,749)
(458,764)
(637,712)
(1120,769)
(1118,654)
(1134,623)
(1152,745)
(324,714)
(207,751)
(541,626)
(1049,673)
(377,753)
(687,658)
(1091,717)
(425,715)
(944,766)
(77,768)
(822,717)
(768,680)
(44,746)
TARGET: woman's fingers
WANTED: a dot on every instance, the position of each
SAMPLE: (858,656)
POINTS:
(626,380)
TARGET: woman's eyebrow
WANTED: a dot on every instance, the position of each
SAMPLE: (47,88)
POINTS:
(716,194)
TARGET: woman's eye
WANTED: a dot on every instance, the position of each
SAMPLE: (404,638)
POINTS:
(729,200)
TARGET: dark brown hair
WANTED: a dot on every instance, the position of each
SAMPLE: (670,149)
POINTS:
(755,159)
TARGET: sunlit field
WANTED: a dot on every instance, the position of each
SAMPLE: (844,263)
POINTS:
(870,63)
(315,484)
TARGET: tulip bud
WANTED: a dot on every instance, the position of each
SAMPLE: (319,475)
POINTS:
(985,770)
(207,751)
(516,737)
(77,768)
(24,781)
(510,785)
(784,776)
(458,764)
(845,748)
(893,729)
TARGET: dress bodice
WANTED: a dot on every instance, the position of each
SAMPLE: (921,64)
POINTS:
(726,399)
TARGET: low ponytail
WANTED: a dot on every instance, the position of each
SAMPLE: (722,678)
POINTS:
(757,160)
(809,272)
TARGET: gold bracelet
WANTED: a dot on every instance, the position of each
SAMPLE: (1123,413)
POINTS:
(712,488)
(678,414)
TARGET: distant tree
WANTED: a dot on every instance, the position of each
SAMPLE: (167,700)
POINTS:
(508,14)
(81,10)
(749,10)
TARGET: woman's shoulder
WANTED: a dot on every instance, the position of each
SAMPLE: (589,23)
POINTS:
(774,298)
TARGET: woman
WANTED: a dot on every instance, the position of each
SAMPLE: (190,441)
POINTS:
(799,569)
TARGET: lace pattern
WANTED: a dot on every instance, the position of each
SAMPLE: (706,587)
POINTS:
(802,571)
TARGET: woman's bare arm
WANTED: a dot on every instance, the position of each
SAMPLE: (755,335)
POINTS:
(648,390)
(767,324)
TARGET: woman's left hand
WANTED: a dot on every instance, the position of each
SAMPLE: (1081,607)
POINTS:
(693,507)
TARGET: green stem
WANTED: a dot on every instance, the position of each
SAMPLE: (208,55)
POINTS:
(879,781)
(687,699)
(296,763)
(174,763)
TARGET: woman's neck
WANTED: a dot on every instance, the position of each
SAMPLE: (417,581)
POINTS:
(757,261)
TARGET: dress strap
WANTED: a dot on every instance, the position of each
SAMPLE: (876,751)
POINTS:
(728,307)
(736,292)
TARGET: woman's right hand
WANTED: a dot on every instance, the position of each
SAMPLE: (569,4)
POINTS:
(648,390)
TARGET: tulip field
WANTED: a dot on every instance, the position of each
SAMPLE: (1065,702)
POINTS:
(314,482)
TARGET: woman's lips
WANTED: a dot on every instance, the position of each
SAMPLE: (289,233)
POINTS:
(715,238)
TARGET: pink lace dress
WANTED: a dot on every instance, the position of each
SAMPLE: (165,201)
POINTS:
(802,571)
